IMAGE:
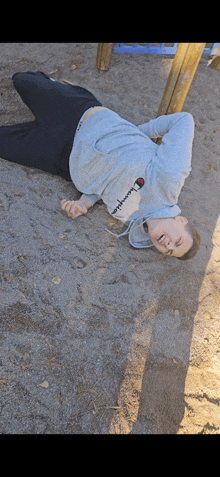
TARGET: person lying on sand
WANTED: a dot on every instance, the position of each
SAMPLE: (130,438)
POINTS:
(108,158)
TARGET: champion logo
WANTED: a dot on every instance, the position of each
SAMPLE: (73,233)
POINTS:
(140,183)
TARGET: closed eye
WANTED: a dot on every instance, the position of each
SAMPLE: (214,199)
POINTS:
(177,244)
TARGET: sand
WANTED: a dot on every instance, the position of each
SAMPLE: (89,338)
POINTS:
(98,337)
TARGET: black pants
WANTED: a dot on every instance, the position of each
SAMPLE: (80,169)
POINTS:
(46,142)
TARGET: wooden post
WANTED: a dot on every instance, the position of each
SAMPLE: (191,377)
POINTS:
(180,78)
(215,62)
(172,79)
(104,55)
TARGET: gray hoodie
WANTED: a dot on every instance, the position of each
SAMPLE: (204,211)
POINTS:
(116,161)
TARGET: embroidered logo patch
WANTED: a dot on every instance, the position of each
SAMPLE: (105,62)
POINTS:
(140,183)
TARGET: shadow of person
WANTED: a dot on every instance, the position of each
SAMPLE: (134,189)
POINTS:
(162,403)
(162,400)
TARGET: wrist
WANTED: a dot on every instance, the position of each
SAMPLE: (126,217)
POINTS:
(86,202)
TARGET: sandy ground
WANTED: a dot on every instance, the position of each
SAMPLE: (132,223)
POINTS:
(98,337)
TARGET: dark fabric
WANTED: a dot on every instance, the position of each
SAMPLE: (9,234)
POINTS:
(46,142)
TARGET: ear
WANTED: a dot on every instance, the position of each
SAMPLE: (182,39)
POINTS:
(180,218)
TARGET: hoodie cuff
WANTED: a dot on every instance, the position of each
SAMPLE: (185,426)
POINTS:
(92,197)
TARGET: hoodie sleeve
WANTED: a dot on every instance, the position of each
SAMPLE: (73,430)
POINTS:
(92,197)
(164,124)
(173,157)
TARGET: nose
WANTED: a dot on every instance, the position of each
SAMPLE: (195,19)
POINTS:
(169,244)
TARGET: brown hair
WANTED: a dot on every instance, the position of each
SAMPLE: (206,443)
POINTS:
(196,242)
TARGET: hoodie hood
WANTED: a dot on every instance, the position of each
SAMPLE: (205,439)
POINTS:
(137,235)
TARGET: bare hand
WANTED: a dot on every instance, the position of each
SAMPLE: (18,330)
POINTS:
(73,208)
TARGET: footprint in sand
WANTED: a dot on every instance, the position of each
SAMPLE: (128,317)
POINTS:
(202,119)
(211,116)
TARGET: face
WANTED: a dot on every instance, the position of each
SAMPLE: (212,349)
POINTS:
(169,235)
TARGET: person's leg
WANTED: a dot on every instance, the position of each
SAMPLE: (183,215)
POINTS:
(26,143)
(45,143)
(29,145)
(51,101)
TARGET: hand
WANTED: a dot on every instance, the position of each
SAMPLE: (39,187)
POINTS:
(73,208)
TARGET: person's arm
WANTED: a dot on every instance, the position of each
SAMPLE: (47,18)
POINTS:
(90,199)
(174,155)
(163,124)
(75,208)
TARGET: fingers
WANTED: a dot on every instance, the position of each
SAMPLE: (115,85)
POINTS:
(64,204)
(71,208)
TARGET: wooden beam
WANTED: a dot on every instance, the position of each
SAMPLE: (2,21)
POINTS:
(180,78)
(188,69)
(215,62)
(172,78)
(104,55)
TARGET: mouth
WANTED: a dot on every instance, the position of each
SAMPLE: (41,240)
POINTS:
(161,239)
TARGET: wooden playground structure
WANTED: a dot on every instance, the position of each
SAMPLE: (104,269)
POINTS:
(183,69)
